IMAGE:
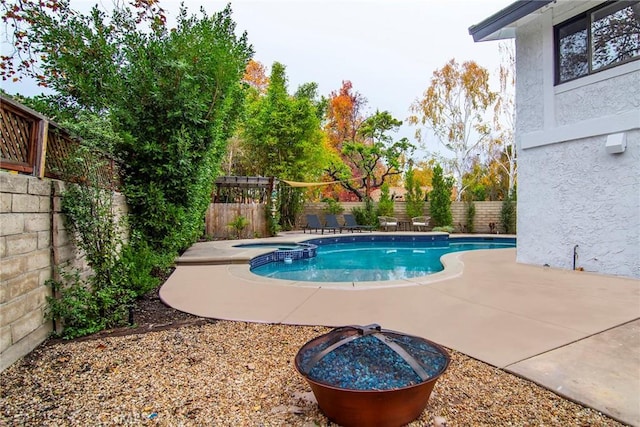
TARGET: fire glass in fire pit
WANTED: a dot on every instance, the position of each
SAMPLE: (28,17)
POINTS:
(364,375)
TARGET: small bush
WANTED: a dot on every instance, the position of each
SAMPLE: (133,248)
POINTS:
(83,308)
(238,224)
(144,268)
(367,214)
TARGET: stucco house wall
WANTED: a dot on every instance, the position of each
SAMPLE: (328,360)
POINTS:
(571,192)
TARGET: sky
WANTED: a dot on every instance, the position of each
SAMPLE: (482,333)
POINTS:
(388,49)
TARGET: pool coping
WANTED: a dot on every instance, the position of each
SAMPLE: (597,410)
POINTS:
(227,252)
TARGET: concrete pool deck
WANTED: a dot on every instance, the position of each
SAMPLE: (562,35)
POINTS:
(575,333)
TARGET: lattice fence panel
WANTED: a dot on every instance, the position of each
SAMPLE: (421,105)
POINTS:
(59,147)
(22,147)
(17,133)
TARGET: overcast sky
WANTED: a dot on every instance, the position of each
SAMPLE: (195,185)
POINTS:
(388,49)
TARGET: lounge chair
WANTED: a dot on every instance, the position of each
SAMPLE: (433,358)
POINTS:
(350,223)
(388,221)
(313,223)
(420,222)
(331,223)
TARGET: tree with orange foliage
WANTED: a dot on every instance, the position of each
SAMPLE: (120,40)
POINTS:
(255,75)
(344,115)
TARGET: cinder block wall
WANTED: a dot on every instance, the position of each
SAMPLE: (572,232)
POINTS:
(486,213)
(33,241)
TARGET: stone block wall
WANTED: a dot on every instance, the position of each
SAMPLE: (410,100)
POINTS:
(33,242)
(26,263)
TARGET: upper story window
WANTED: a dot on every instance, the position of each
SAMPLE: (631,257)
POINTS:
(600,38)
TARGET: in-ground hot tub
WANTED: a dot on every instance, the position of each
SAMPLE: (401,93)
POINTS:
(282,251)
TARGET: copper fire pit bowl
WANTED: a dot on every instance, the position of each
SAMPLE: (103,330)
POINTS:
(367,376)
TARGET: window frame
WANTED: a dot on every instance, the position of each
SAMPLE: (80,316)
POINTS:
(587,18)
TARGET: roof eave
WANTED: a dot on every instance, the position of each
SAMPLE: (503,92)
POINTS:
(496,26)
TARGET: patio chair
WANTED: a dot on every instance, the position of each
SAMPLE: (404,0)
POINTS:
(388,221)
(350,223)
(331,223)
(313,223)
(420,222)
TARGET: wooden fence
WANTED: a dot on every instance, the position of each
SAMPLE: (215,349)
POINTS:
(220,215)
(32,144)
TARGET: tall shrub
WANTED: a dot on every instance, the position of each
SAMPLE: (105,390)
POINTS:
(440,198)
(414,196)
(290,206)
(385,205)
(188,98)
(508,214)
(471,214)
(280,136)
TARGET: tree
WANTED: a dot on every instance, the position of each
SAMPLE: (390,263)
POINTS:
(440,199)
(478,183)
(173,95)
(423,173)
(373,157)
(344,116)
(503,143)
(453,107)
(281,132)
(281,136)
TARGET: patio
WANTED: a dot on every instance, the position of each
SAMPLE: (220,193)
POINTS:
(575,333)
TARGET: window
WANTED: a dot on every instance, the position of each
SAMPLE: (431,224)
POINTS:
(597,39)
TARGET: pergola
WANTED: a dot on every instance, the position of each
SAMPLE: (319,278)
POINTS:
(244,189)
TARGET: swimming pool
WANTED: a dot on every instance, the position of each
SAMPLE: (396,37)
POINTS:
(375,258)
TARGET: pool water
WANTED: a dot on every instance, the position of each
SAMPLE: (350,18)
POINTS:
(373,261)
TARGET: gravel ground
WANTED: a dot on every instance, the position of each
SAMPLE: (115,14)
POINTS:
(219,373)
